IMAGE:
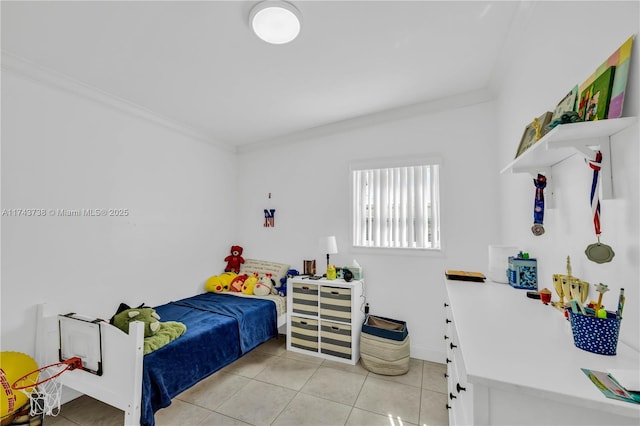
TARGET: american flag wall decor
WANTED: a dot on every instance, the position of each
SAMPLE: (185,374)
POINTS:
(269,218)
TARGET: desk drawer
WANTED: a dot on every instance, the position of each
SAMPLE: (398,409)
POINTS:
(335,339)
(335,304)
(304,333)
(305,299)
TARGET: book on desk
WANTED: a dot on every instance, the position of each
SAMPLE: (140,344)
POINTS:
(464,275)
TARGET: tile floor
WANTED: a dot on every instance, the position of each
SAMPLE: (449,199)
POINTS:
(273,386)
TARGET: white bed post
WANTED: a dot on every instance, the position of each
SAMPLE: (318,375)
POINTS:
(47,336)
(132,414)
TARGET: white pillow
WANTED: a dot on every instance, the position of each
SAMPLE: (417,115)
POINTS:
(277,270)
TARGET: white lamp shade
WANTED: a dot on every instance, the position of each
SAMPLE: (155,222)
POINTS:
(275,22)
(328,245)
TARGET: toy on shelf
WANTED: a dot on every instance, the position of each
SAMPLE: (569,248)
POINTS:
(545,296)
(523,272)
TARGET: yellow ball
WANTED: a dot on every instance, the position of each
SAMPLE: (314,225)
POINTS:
(13,365)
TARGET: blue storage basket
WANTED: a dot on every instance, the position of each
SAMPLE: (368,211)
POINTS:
(593,334)
(386,328)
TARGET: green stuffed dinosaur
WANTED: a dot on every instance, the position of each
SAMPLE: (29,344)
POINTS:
(148,316)
(156,333)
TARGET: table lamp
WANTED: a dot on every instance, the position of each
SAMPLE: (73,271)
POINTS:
(328,245)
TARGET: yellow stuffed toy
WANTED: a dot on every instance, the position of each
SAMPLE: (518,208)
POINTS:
(220,283)
(249,284)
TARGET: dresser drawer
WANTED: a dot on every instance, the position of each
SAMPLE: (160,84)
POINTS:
(335,339)
(305,299)
(322,320)
(304,333)
(335,304)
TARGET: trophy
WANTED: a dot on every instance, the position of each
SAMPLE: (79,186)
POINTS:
(569,287)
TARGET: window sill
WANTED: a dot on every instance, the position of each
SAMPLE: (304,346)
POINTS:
(397,251)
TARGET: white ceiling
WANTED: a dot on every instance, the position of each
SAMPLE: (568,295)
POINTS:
(198,63)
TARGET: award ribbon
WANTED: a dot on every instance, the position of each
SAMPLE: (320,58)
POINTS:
(538,205)
(596,165)
(597,252)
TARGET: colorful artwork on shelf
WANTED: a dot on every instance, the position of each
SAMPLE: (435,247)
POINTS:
(621,60)
(567,104)
(594,100)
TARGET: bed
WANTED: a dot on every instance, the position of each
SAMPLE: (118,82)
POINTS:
(221,327)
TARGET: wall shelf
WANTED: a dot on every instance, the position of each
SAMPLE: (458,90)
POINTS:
(566,140)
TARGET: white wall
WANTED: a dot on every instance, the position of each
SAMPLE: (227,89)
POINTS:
(309,182)
(562,44)
(63,151)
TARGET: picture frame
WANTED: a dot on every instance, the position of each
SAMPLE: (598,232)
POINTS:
(595,98)
(567,104)
(534,132)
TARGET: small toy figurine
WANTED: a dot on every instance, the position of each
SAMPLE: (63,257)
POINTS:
(331,272)
(602,289)
(545,296)
(538,127)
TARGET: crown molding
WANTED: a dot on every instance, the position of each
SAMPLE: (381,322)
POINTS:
(433,106)
(51,78)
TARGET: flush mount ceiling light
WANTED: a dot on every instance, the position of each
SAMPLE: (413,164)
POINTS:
(274,21)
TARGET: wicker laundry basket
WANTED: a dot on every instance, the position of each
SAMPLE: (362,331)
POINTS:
(384,346)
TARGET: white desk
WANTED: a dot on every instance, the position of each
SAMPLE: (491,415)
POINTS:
(517,361)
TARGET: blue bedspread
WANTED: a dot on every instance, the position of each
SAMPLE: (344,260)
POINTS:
(220,329)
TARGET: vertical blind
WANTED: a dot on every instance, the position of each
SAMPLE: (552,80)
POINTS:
(396,207)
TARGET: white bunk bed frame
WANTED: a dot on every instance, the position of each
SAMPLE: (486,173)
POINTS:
(120,384)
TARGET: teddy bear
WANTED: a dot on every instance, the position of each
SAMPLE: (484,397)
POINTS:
(264,286)
(234,260)
(249,284)
(236,284)
(281,290)
(148,316)
(220,283)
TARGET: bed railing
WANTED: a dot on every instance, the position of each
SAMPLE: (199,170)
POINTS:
(120,384)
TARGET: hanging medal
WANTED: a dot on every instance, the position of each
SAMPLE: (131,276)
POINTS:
(597,252)
(538,205)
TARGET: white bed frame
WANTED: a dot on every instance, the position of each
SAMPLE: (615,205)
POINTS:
(120,384)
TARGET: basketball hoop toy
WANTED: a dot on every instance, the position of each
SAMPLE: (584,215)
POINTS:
(43,386)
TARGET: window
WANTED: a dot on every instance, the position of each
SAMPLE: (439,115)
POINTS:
(396,206)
